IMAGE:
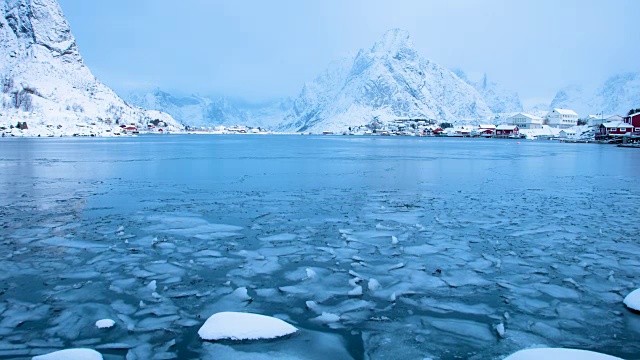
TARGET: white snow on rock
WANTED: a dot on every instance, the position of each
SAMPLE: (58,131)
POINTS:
(71,354)
(243,326)
(632,301)
(559,354)
(105,323)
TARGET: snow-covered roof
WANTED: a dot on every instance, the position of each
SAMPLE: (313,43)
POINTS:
(506,127)
(565,111)
(485,127)
(599,116)
(530,116)
(618,124)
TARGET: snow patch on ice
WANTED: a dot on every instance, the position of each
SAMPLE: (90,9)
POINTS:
(243,326)
(559,354)
(71,354)
(105,323)
(632,301)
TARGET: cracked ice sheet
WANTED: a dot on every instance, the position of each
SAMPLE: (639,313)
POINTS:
(532,272)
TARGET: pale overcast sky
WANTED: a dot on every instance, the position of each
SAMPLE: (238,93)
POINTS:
(258,50)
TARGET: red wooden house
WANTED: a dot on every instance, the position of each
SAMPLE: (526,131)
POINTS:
(614,128)
(634,120)
(507,130)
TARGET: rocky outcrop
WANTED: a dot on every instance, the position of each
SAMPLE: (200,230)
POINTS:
(44,79)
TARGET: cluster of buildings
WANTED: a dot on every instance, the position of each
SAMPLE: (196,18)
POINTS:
(558,118)
(221,129)
(565,120)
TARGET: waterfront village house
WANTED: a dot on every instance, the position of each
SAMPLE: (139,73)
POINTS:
(598,119)
(507,130)
(562,118)
(565,133)
(526,121)
(616,128)
(486,130)
(634,120)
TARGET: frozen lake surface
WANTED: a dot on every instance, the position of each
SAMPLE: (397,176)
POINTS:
(373,248)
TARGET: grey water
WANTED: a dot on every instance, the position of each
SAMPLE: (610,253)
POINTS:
(461,234)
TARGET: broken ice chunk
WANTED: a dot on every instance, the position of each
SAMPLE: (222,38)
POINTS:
(241,293)
(310,273)
(374,284)
(356,291)
(152,286)
(327,318)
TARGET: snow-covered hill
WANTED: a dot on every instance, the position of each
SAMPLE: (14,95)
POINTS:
(202,111)
(43,80)
(617,95)
(387,82)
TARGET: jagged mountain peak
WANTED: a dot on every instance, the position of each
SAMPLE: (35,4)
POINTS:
(393,43)
(41,23)
(387,82)
(499,99)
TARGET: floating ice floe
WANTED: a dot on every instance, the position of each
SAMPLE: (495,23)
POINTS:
(632,301)
(105,323)
(71,354)
(242,294)
(279,237)
(310,273)
(559,354)
(374,284)
(356,291)
(243,326)
(327,318)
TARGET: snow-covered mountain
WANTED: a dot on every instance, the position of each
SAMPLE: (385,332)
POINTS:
(199,111)
(617,95)
(499,99)
(386,82)
(43,78)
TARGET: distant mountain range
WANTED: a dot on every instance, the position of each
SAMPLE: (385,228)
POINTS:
(204,111)
(617,95)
